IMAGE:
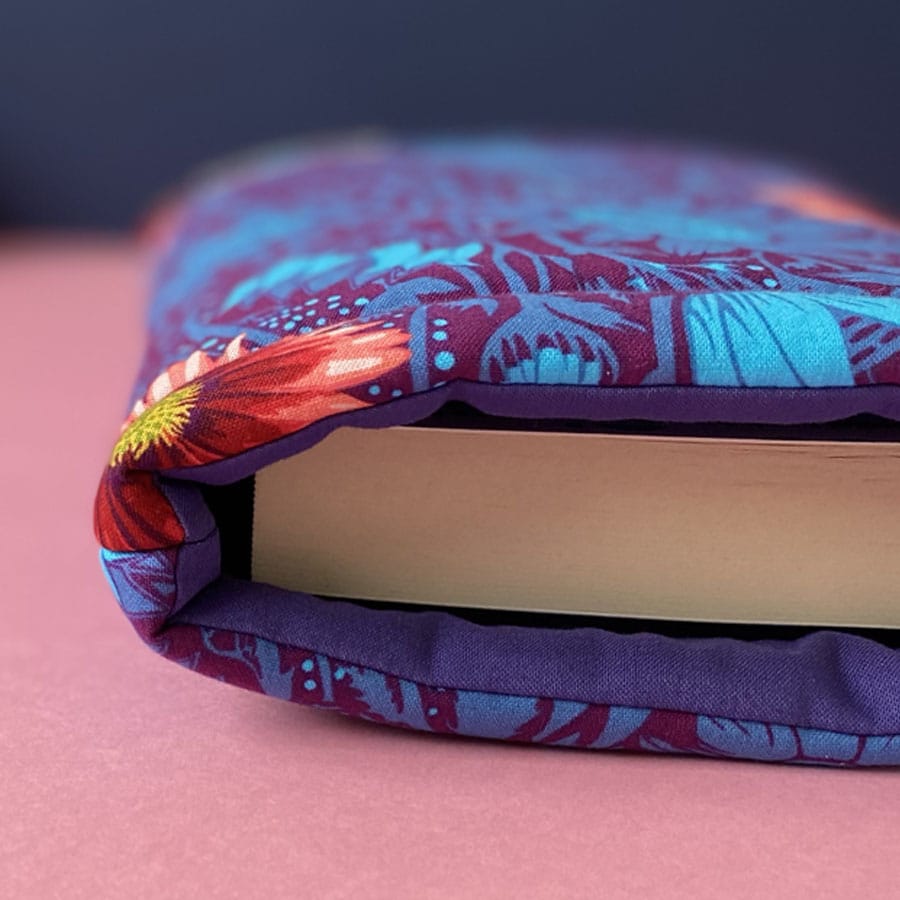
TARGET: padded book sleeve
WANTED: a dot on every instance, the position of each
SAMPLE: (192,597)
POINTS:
(371,284)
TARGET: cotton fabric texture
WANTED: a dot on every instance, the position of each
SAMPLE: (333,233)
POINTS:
(370,283)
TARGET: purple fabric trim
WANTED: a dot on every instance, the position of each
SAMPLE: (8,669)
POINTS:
(783,406)
(198,560)
(827,680)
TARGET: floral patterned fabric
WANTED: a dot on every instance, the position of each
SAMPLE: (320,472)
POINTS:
(313,287)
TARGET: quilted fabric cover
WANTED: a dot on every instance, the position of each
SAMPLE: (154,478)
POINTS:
(370,283)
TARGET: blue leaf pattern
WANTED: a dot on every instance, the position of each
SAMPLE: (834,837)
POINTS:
(765,340)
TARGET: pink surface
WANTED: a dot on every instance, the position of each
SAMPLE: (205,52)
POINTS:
(122,775)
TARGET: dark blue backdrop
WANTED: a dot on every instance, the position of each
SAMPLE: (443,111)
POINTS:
(105,102)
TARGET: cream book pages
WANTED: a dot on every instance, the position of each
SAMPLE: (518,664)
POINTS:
(726,530)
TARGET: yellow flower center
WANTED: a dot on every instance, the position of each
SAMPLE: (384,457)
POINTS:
(161,423)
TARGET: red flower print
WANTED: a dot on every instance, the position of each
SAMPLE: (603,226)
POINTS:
(180,373)
(202,410)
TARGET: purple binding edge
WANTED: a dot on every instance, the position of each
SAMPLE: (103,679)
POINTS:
(826,680)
